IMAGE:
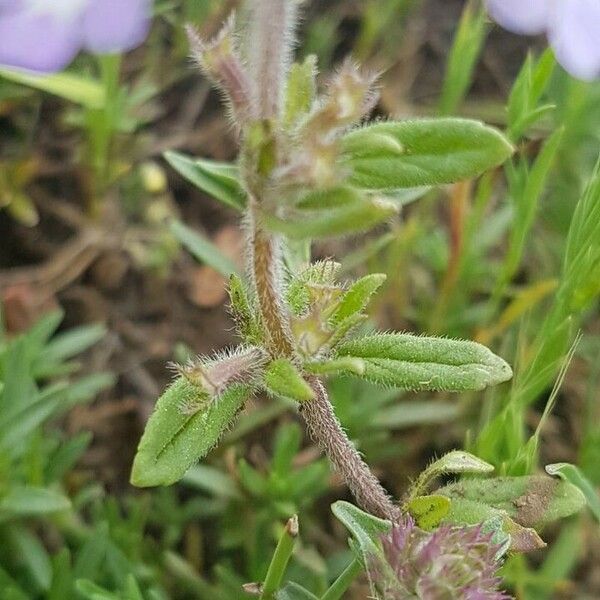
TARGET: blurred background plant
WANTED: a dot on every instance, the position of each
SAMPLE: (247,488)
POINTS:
(94,221)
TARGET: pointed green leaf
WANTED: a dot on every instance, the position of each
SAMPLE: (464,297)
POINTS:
(426,363)
(401,154)
(219,180)
(202,249)
(357,297)
(282,378)
(185,425)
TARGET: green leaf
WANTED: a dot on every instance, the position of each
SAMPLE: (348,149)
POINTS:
(401,154)
(531,501)
(300,90)
(91,591)
(32,554)
(473,512)
(462,58)
(574,475)
(244,312)
(344,364)
(337,212)
(365,528)
(459,461)
(69,344)
(211,480)
(202,249)
(30,501)
(357,297)
(426,363)
(70,86)
(455,462)
(282,378)
(523,104)
(178,434)
(219,180)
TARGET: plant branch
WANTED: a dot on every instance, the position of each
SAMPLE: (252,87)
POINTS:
(329,435)
(264,250)
(270,42)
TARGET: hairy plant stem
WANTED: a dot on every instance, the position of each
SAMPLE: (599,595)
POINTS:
(318,413)
(270,45)
(265,272)
(327,432)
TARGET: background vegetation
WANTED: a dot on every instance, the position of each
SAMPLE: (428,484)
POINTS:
(112,262)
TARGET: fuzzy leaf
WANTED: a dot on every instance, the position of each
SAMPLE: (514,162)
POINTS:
(531,501)
(365,528)
(283,379)
(426,363)
(357,297)
(345,364)
(219,180)
(178,434)
(244,314)
(472,512)
(341,211)
(410,153)
(300,89)
(455,462)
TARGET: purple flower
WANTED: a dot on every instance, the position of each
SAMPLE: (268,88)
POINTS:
(45,35)
(450,563)
(572,27)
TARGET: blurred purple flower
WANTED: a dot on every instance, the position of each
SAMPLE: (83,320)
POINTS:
(450,563)
(45,35)
(572,27)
